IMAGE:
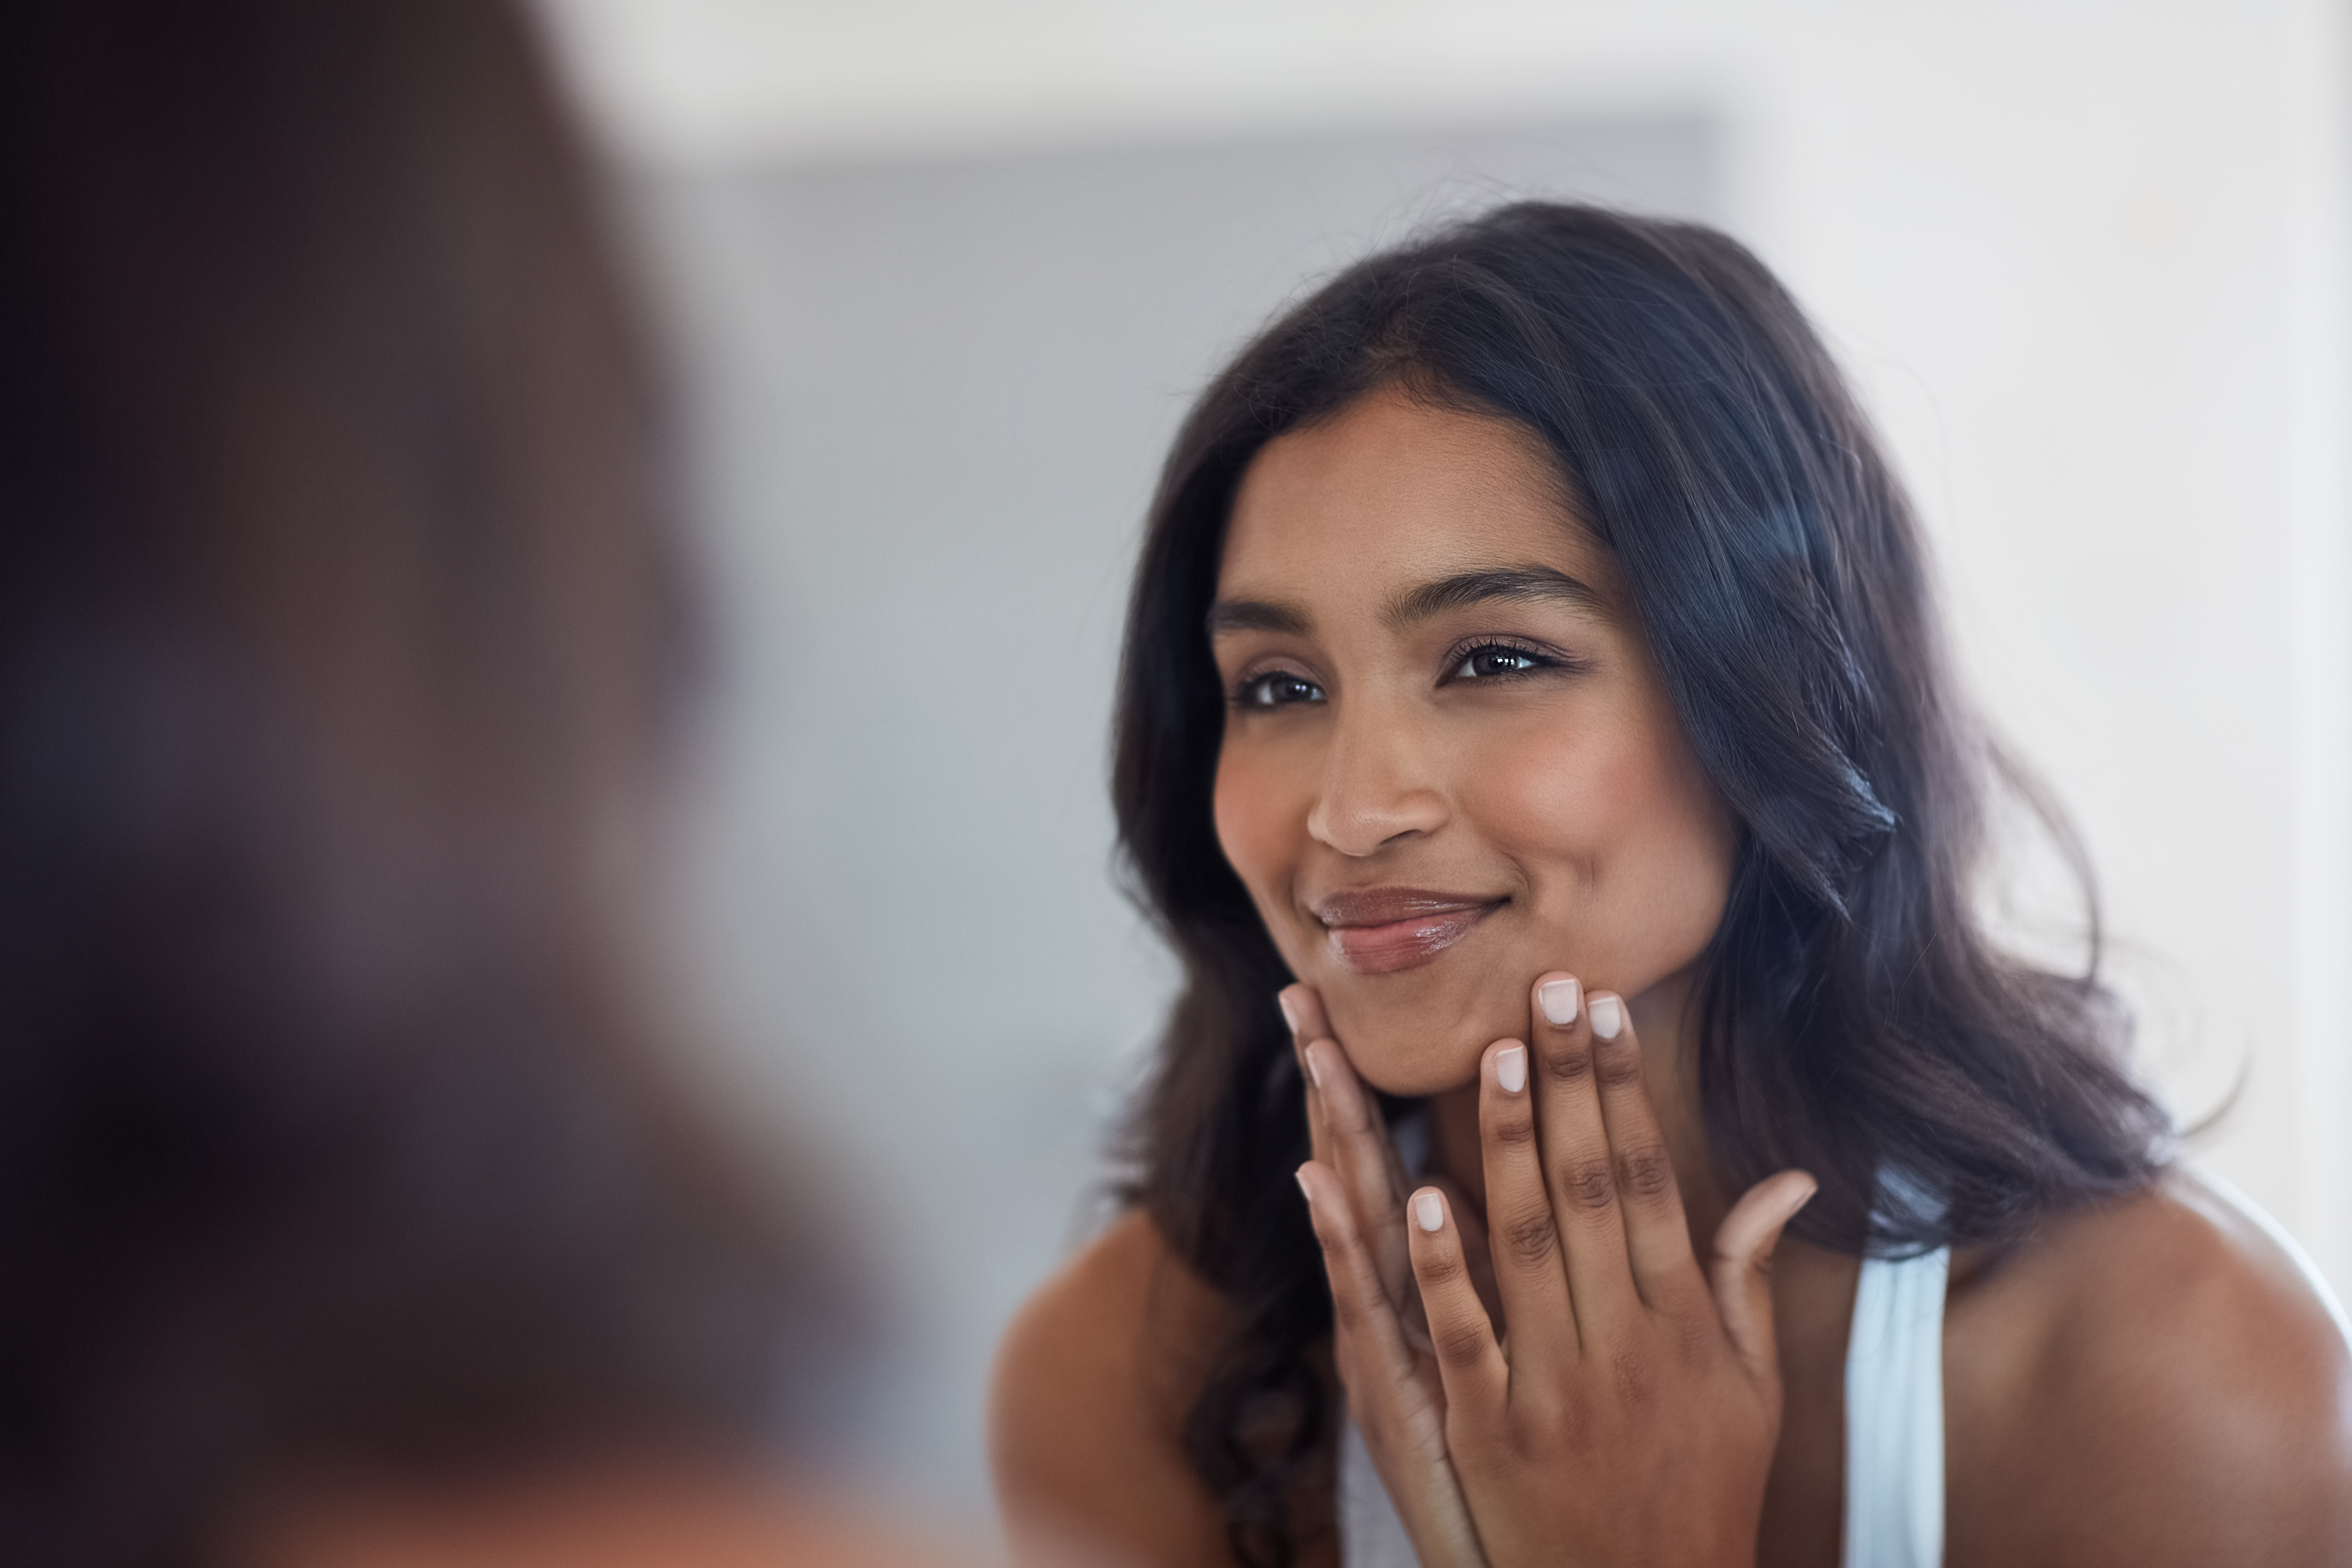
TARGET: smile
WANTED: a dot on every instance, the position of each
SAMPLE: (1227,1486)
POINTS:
(1385,930)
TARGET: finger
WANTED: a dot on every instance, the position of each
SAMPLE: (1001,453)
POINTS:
(1581,1175)
(1475,1249)
(1371,1342)
(1363,1159)
(1302,1010)
(1523,1234)
(1744,1245)
(1461,1335)
(1657,1233)
(1362,1312)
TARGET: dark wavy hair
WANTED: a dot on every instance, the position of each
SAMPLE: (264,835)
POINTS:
(1856,1020)
(342,621)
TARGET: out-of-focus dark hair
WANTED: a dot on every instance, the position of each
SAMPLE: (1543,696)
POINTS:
(1856,1020)
(341,619)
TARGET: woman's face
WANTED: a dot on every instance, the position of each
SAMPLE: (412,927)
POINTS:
(1449,764)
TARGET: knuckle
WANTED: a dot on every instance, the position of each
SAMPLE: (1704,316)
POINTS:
(1645,1173)
(1589,1185)
(1530,1239)
(1694,1339)
(1636,1383)
(1339,1253)
(1569,1061)
(1514,1131)
(1618,1065)
(1444,1268)
(1461,1345)
(1540,1427)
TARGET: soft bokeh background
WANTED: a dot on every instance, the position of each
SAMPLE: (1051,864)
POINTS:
(941,278)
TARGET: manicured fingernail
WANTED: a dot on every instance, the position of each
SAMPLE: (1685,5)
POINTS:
(1314,1073)
(1558,999)
(1608,1016)
(1300,1174)
(1289,1013)
(1511,1068)
(1427,1212)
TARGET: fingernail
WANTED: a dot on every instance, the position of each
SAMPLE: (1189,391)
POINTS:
(1289,1013)
(1427,1212)
(1300,1178)
(1314,1073)
(1558,999)
(1511,1068)
(1608,1016)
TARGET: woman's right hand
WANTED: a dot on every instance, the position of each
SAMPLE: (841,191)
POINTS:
(1355,1188)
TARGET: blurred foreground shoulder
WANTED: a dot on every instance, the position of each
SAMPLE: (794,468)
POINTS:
(593,1519)
(2184,1395)
(1088,1406)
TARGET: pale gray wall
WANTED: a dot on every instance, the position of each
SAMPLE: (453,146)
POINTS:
(928,401)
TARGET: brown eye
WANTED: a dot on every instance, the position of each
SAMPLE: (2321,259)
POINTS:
(1483,662)
(1279,688)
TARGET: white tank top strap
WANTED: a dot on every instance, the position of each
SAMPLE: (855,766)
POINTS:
(1895,1414)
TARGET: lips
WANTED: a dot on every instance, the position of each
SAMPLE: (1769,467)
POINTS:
(1380,930)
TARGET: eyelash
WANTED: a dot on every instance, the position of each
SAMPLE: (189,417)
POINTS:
(1538,660)
(1245,693)
(1249,693)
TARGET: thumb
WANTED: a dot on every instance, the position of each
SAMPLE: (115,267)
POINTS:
(1742,1271)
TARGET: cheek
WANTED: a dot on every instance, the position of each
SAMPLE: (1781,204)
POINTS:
(1259,826)
(1626,849)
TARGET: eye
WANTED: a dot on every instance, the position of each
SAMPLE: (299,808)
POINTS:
(1491,660)
(1275,688)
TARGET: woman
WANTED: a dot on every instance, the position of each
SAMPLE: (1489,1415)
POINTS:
(1532,677)
(348,1213)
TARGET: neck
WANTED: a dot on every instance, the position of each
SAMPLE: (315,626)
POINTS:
(1665,1022)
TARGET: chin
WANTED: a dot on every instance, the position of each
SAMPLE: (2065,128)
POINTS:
(1419,1044)
(1419,1070)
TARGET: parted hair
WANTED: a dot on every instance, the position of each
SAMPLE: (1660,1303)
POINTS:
(1856,1019)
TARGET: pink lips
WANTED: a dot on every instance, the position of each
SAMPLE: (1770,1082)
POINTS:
(1382,930)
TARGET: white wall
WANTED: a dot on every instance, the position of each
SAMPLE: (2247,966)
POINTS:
(2089,262)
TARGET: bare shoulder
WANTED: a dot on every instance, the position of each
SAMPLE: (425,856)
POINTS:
(1085,1414)
(698,1517)
(2154,1381)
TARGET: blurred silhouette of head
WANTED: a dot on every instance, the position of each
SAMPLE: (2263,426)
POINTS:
(340,624)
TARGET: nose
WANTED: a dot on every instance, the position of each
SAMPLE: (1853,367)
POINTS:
(1378,784)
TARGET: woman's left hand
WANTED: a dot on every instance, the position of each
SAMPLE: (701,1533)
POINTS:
(1630,1414)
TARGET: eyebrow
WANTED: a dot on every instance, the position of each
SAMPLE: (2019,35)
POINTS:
(1519,584)
(1513,584)
(1230,616)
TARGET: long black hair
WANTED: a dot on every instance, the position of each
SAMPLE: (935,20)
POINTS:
(342,616)
(1856,1021)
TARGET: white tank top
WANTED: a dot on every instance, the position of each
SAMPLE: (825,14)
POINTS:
(1893,1433)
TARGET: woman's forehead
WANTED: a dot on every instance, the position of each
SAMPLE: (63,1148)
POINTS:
(1393,491)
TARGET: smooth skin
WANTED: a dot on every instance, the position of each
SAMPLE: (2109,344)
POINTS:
(1439,684)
